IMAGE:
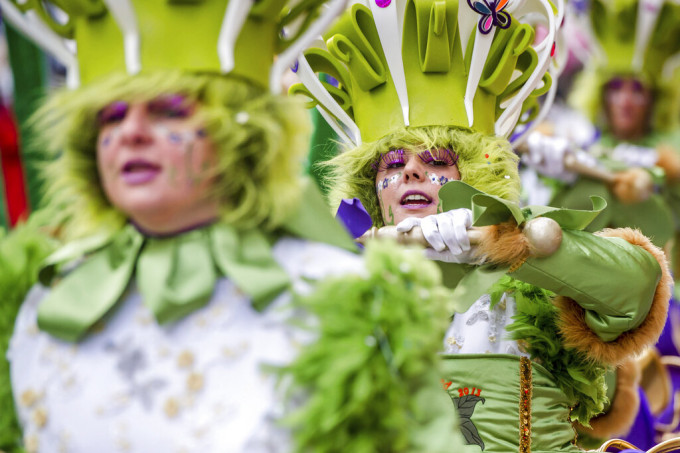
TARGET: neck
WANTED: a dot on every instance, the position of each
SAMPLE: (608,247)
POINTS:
(157,235)
(168,224)
(630,136)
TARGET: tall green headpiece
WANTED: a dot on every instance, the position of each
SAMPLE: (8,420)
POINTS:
(239,37)
(637,36)
(417,63)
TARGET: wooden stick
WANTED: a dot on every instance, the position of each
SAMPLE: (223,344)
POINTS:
(412,237)
(544,235)
(630,186)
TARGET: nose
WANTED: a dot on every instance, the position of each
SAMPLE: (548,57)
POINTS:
(412,169)
(135,129)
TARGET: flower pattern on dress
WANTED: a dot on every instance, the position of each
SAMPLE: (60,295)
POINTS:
(198,384)
(131,361)
(482,329)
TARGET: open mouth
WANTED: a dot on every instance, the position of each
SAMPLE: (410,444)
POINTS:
(139,171)
(415,199)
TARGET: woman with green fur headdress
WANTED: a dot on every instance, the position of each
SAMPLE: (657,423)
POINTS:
(162,323)
(426,93)
(632,39)
(629,90)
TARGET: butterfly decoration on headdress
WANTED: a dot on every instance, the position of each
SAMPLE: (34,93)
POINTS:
(492,14)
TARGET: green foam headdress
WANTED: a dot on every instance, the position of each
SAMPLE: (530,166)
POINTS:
(239,37)
(637,36)
(430,63)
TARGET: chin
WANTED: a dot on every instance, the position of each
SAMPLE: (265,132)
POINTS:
(144,205)
(405,213)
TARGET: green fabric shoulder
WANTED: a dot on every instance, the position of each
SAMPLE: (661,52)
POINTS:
(21,253)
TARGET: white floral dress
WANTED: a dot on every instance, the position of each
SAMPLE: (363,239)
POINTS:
(197,385)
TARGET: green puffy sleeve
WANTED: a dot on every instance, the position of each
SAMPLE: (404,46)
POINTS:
(613,280)
(612,287)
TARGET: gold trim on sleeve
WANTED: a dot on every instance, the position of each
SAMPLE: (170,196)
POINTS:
(525,390)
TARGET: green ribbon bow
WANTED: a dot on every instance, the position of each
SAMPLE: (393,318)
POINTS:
(175,275)
(491,210)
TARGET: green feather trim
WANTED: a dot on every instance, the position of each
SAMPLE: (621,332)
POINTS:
(370,382)
(21,253)
(535,323)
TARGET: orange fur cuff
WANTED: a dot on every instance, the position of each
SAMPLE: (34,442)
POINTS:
(503,244)
(576,333)
(669,160)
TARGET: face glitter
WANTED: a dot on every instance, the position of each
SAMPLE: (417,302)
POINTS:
(387,181)
(174,137)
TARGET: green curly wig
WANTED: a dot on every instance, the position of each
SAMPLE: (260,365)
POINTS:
(352,173)
(259,159)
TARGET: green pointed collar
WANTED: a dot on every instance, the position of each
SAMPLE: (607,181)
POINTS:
(176,275)
(490,210)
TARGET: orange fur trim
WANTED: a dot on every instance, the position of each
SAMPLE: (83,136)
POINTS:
(655,381)
(618,420)
(669,160)
(577,334)
(503,244)
(632,185)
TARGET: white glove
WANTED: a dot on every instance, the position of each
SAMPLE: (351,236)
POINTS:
(546,155)
(446,233)
(635,156)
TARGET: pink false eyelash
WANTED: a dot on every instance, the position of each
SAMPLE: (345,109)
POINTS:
(112,113)
(395,156)
(171,106)
(444,155)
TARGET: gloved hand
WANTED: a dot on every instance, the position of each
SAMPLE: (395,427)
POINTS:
(446,233)
(635,156)
(546,155)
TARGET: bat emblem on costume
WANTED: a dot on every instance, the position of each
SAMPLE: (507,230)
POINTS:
(492,14)
(466,406)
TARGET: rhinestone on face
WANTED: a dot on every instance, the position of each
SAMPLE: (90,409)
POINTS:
(383,3)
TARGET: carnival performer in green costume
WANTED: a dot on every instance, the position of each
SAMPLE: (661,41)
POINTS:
(629,90)
(191,246)
(427,91)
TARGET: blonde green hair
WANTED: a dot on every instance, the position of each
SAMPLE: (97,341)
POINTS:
(260,138)
(352,173)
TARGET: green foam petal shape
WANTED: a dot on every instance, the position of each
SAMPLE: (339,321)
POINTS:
(491,210)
